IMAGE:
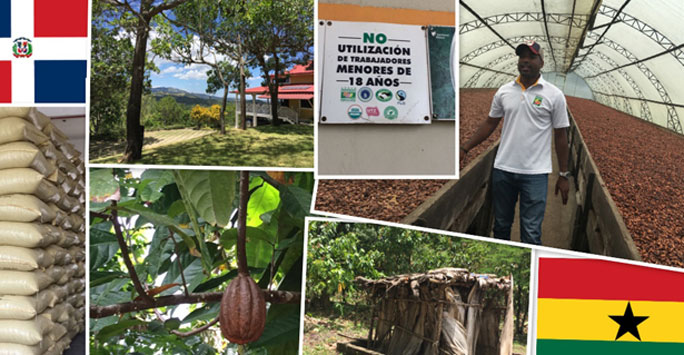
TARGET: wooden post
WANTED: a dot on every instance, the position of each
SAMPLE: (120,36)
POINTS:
(255,118)
(579,234)
(369,343)
(507,333)
(438,328)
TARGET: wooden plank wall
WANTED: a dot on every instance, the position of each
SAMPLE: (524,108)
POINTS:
(457,204)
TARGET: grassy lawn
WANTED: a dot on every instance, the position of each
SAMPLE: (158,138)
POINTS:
(264,146)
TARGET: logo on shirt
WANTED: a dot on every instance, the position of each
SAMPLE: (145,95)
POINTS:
(537,101)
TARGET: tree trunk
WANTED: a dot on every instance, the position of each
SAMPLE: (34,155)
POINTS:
(243,102)
(273,87)
(222,115)
(134,131)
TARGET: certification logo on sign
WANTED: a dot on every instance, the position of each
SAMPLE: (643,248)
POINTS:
(382,69)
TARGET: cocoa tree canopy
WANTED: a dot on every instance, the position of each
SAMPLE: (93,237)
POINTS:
(163,250)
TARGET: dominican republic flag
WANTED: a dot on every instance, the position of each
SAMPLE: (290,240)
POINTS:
(43,51)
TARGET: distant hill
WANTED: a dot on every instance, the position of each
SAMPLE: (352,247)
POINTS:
(189,98)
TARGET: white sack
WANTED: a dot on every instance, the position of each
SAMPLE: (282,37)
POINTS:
(24,259)
(30,235)
(25,208)
(25,332)
(24,283)
(26,307)
(28,181)
(25,155)
(13,129)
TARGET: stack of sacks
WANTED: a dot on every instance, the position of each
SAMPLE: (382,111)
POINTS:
(42,235)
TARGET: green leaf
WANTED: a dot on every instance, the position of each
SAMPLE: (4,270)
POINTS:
(153,217)
(259,245)
(293,277)
(282,326)
(102,184)
(161,220)
(263,200)
(210,193)
(172,324)
(152,182)
(98,323)
(177,208)
(229,236)
(205,313)
(110,293)
(215,282)
(155,327)
(103,247)
(116,329)
(193,195)
(98,278)
(192,270)
(161,248)
(219,280)
(297,201)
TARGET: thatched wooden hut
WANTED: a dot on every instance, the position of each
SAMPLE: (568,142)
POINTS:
(444,311)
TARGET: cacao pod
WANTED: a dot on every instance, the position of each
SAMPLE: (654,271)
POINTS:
(243,310)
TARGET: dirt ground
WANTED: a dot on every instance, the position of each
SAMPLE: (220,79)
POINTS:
(322,333)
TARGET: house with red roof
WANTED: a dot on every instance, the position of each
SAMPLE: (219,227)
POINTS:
(295,96)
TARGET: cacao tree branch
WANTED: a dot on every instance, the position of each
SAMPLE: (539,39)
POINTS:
(242,223)
(180,266)
(165,6)
(190,332)
(275,297)
(196,330)
(104,216)
(271,181)
(127,258)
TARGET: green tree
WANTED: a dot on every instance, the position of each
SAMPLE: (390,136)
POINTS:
(339,252)
(137,18)
(207,32)
(164,249)
(110,75)
(223,77)
(280,35)
(170,111)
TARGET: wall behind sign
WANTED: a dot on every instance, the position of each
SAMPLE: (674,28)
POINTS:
(381,150)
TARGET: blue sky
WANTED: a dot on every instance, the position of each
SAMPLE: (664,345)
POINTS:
(191,78)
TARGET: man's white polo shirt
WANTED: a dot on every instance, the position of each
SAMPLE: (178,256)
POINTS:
(529,116)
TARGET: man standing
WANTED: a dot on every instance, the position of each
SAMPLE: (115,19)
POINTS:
(532,108)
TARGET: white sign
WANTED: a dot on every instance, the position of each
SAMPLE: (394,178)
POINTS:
(374,73)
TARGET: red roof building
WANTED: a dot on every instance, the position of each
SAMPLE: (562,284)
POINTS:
(295,91)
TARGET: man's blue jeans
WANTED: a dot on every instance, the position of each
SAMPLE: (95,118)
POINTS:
(532,190)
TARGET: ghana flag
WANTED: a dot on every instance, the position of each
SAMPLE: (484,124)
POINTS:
(591,307)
